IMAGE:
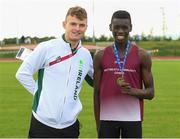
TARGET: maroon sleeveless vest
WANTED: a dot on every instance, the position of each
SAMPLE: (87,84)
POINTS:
(114,105)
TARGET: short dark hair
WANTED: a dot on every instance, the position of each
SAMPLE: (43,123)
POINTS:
(77,11)
(121,14)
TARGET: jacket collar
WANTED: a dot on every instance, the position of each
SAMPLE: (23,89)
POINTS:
(67,43)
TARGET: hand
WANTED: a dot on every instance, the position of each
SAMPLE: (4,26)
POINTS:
(126,88)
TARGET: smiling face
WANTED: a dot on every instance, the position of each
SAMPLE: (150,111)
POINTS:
(120,28)
(74,28)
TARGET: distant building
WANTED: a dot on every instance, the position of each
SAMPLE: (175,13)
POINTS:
(27,40)
(2,43)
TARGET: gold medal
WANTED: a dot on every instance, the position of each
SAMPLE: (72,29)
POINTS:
(120,81)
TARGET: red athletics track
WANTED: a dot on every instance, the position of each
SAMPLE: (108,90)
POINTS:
(165,57)
(89,47)
(153,58)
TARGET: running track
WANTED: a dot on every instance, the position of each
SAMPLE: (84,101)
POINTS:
(153,58)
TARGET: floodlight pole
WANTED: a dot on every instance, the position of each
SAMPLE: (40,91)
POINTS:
(163,22)
(93,39)
(17,35)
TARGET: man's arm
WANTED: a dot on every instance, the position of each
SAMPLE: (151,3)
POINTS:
(97,79)
(89,80)
(147,78)
(29,66)
(89,76)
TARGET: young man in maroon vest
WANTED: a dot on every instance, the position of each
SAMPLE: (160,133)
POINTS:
(122,79)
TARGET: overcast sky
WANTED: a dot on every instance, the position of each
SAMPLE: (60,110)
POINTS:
(44,17)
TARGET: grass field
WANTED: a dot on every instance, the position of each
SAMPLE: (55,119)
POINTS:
(162,114)
(166,48)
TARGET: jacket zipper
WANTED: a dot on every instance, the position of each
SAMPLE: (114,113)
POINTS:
(66,92)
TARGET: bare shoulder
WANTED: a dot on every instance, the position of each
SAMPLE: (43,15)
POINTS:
(145,57)
(98,54)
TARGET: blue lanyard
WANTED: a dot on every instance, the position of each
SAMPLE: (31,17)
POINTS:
(121,65)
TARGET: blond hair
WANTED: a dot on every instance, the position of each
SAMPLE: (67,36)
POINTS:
(77,11)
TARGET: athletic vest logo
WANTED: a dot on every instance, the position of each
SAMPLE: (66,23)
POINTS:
(115,62)
(78,80)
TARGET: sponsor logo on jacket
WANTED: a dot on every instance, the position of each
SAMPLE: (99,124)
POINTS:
(78,80)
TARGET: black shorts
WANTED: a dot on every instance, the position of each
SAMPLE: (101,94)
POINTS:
(123,129)
(39,130)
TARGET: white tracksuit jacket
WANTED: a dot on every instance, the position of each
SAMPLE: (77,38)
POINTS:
(56,93)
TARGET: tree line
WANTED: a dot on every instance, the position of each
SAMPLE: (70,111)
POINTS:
(102,38)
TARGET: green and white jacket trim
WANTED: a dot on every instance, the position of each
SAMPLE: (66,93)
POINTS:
(56,92)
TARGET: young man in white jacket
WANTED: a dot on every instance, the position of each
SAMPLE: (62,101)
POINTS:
(62,65)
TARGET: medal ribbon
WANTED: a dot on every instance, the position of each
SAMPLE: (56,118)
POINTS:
(121,65)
